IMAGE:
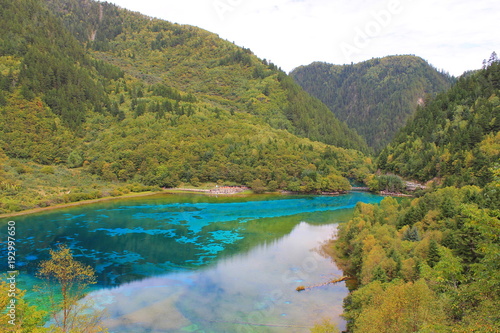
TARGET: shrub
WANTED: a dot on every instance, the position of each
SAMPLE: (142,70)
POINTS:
(258,186)
(48,170)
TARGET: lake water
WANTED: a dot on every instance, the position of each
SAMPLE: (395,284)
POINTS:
(193,263)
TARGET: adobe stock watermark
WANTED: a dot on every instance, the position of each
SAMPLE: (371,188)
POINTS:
(381,19)
(222,7)
(11,274)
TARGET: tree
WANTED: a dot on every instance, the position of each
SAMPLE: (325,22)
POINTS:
(66,281)
(379,274)
(491,61)
(403,307)
(326,326)
(412,234)
(272,185)
(433,255)
(446,274)
(391,183)
(372,263)
(258,186)
(27,318)
(75,159)
(334,183)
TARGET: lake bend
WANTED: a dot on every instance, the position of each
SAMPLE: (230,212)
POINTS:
(197,263)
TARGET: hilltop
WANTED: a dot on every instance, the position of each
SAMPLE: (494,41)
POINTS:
(198,62)
(374,97)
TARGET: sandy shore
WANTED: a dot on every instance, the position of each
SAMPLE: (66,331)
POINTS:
(395,194)
(227,190)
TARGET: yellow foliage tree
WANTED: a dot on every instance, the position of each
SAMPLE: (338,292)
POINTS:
(373,259)
(66,281)
(23,318)
(403,307)
(325,327)
(490,146)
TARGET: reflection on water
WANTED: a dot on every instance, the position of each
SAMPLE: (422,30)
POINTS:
(257,287)
(201,264)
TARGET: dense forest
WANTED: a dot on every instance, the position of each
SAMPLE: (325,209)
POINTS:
(427,265)
(198,62)
(430,264)
(96,100)
(455,138)
(374,97)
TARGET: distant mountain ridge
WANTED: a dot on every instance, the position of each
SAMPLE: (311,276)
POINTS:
(374,97)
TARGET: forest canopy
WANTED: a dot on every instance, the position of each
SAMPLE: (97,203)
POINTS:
(430,264)
(115,98)
(375,97)
(455,137)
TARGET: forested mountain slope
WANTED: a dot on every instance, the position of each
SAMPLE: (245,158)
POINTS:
(120,98)
(426,265)
(430,264)
(374,97)
(455,136)
(196,61)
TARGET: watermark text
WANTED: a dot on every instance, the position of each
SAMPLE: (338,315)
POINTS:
(380,20)
(12,273)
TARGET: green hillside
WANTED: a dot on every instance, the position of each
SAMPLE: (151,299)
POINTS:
(455,138)
(99,101)
(374,97)
(196,61)
(120,102)
(426,265)
(430,264)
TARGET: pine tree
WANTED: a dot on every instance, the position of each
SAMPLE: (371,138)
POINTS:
(433,255)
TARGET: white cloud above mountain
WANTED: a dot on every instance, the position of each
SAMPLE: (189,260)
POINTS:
(454,35)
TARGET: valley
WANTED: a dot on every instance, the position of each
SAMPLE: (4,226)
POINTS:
(384,174)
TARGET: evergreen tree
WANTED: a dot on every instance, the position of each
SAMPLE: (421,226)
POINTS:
(433,255)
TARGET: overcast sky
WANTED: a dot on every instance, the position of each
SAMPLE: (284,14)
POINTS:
(453,35)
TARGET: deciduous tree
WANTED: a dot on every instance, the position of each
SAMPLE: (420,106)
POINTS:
(66,281)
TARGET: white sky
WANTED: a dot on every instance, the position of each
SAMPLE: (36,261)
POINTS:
(454,35)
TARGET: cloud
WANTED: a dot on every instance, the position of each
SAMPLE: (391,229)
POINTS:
(455,35)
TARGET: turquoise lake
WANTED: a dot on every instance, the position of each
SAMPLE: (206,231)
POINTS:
(195,263)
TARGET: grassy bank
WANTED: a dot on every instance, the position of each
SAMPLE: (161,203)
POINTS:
(27,186)
(78,203)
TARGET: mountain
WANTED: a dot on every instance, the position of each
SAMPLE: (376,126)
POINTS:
(375,97)
(455,137)
(98,100)
(430,264)
(199,62)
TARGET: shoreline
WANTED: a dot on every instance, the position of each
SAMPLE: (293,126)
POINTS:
(125,196)
(77,203)
(395,194)
(219,190)
(164,191)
